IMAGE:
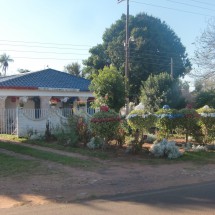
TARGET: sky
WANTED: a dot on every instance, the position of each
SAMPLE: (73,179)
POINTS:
(54,33)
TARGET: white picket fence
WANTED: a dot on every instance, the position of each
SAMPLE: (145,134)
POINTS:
(18,121)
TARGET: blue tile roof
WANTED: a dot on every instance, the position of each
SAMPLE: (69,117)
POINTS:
(48,78)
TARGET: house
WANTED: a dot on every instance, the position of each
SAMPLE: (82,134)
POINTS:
(38,91)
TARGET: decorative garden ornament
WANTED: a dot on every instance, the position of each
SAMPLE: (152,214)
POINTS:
(166,107)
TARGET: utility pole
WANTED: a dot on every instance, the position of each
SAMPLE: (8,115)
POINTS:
(126,59)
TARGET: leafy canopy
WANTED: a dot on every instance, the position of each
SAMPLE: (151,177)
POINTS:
(159,90)
(109,84)
(73,69)
(4,61)
(153,44)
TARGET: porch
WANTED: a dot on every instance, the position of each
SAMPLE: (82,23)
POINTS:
(22,121)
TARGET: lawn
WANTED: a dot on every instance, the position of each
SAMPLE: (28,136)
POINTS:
(15,166)
(62,159)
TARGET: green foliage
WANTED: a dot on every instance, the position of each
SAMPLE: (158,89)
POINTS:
(97,61)
(4,61)
(166,122)
(188,122)
(151,37)
(207,124)
(105,124)
(109,84)
(161,89)
(165,149)
(95,143)
(73,69)
(141,120)
(205,98)
(83,130)
(67,136)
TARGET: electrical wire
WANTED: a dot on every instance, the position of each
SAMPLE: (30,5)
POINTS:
(170,8)
(190,5)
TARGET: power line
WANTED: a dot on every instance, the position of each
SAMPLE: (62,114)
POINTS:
(191,5)
(46,47)
(40,52)
(40,58)
(205,3)
(170,8)
(28,42)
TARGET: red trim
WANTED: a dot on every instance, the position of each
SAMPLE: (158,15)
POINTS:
(19,88)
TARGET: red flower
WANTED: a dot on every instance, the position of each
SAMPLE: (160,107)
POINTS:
(104,108)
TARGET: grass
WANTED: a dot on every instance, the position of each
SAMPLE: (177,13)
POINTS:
(69,161)
(201,157)
(83,151)
(195,157)
(15,166)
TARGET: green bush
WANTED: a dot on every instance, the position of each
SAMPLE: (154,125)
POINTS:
(67,135)
(188,122)
(105,124)
(207,124)
(141,120)
(166,122)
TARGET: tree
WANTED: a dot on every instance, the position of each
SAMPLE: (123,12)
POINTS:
(98,60)
(205,52)
(159,90)
(109,85)
(4,60)
(150,53)
(205,98)
(73,69)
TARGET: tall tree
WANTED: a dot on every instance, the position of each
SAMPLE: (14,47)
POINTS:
(205,52)
(73,69)
(159,90)
(4,60)
(109,86)
(152,46)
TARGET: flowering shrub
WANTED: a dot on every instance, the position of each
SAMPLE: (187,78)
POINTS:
(207,123)
(141,120)
(105,124)
(167,121)
(165,149)
(199,148)
(83,130)
(188,122)
(54,101)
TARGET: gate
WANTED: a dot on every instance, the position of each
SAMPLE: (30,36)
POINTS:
(8,121)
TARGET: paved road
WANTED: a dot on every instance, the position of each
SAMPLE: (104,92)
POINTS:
(195,199)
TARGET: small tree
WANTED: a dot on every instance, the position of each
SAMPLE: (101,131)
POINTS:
(167,121)
(109,84)
(105,124)
(4,61)
(140,121)
(207,123)
(161,89)
(189,122)
(73,69)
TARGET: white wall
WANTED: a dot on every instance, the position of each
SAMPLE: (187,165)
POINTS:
(27,122)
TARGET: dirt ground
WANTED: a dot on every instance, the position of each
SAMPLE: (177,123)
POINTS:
(58,183)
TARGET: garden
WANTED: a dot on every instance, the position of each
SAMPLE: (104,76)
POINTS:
(167,133)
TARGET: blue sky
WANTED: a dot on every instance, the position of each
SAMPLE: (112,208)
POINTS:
(54,33)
